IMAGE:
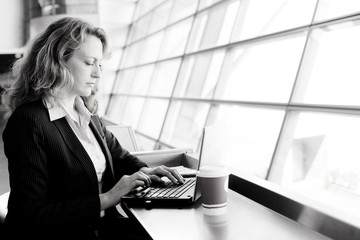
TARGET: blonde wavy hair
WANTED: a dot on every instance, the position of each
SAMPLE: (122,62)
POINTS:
(42,70)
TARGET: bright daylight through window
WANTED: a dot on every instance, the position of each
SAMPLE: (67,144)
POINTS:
(283,74)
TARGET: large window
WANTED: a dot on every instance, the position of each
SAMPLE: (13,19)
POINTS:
(261,71)
(330,71)
(283,75)
(318,157)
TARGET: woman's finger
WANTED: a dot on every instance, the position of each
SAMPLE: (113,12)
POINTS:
(142,177)
(155,178)
(176,174)
(147,178)
(172,174)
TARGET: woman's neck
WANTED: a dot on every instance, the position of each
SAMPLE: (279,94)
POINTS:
(69,104)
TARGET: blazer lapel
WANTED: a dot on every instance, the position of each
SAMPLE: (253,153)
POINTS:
(100,136)
(77,148)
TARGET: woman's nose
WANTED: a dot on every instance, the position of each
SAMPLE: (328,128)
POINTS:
(96,71)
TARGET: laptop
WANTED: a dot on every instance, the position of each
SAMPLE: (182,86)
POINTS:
(179,196)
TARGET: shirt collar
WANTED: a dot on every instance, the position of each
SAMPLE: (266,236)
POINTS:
(57,110)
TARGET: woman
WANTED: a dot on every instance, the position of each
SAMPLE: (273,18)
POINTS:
(67,172)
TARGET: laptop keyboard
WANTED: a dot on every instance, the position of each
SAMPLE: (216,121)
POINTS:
(170,190)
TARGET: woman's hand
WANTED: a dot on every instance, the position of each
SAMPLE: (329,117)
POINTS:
(122,187)
(145,177)
(156,173)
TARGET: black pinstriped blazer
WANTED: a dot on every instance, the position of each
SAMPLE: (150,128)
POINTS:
(52,179)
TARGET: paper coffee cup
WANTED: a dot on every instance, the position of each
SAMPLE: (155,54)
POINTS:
(214,182)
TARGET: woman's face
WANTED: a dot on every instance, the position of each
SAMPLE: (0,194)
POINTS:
(85,66)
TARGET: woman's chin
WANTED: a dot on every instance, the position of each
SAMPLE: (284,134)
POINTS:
(86,94)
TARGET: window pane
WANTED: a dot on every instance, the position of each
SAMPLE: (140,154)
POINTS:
(175,39)
(199,74)
(115,109)
(145,6)
(260,17)
(328,9)
(116,33)
(164,77)
(145,144)
(206,3)
(182,9)
(160,17)
(133,106)
(103,103)
(108,11)
(330,73)
(213,27)
(152,117)
(124,81)
(141,81)
(113,62)
(262,71)
(319,159)
(132,54)
(125,110)
(106,82)
(164,147)
(139,28)
(104,90)
(184,123)
(151,48)
(251,136)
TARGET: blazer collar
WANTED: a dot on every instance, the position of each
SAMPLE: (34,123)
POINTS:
(57,110)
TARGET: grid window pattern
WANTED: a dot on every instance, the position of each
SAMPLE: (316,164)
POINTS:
(283,75)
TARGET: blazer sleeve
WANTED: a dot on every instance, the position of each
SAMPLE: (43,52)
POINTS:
(123,162)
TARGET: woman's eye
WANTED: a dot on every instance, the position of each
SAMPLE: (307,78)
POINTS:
(88,63)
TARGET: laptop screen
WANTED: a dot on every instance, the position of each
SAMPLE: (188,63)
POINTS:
(212,145)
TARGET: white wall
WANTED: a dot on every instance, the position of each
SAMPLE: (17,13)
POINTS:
(12,25)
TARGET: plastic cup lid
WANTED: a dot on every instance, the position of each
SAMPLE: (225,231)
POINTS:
(213,171)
